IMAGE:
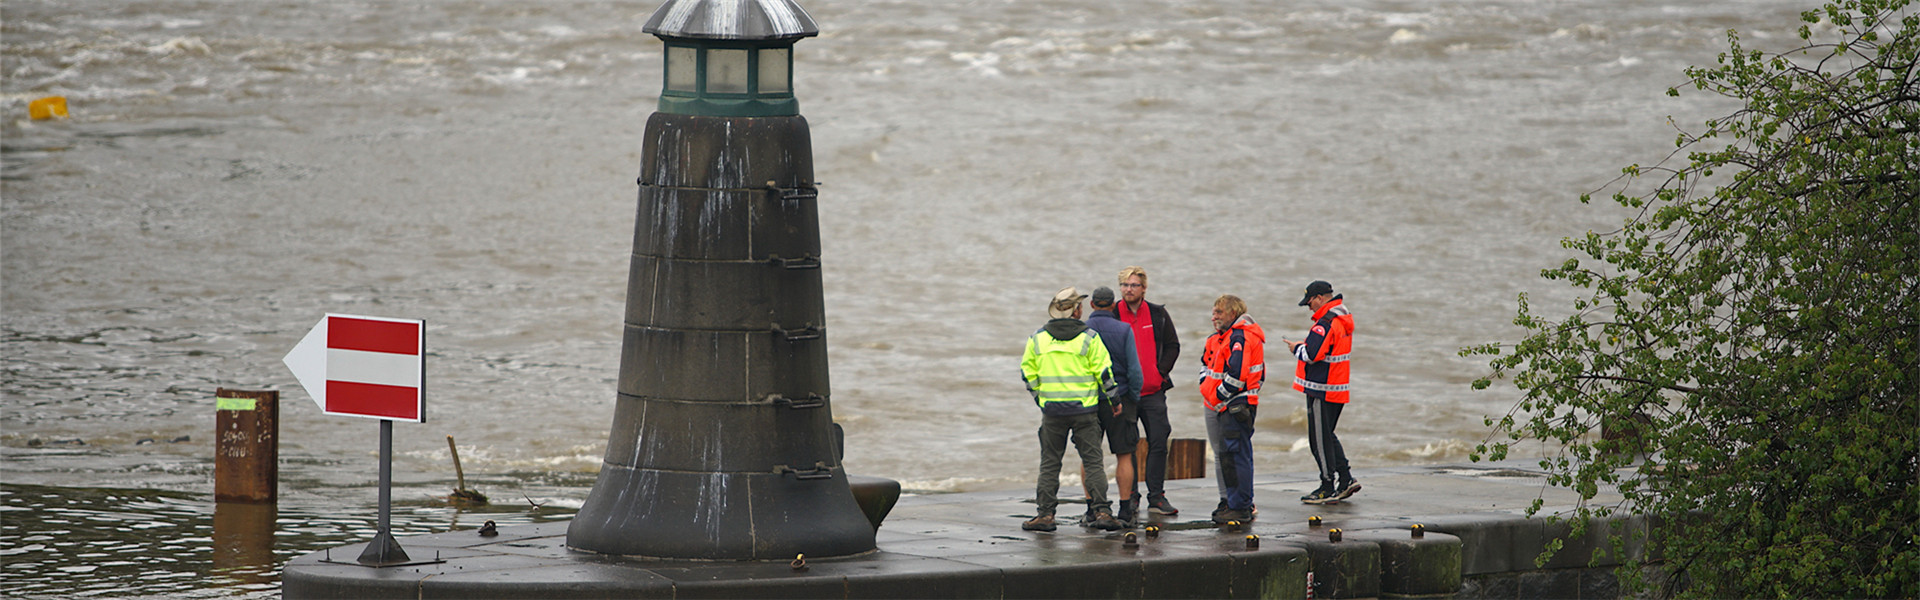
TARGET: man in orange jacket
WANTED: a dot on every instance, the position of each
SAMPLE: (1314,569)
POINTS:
(1321,372)
(1234,365)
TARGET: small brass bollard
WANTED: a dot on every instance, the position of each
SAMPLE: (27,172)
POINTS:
(488,529)
(1153,531)
(1253,542)
(1333,535)
(1313,521)
(799,563)
(1131,541)
(1233,525)
(1419,531)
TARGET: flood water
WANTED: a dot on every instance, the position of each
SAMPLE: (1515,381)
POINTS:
(234,170)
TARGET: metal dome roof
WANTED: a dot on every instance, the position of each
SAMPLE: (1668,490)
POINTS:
(732,20)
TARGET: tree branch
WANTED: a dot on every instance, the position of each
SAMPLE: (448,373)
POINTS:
(1675,387)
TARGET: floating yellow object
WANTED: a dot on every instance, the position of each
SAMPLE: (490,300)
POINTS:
(48,108)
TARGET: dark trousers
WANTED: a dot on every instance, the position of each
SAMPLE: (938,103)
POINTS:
(1153,418)
(1322,417)
(1086,434)
(1236,460)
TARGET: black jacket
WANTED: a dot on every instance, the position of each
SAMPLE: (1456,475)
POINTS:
(1166,342)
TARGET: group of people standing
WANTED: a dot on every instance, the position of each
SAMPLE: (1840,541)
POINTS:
(1105,376)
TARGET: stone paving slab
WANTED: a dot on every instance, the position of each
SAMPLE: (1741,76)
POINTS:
(971,545)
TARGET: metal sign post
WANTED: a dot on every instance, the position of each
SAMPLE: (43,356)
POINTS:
(372,367)
(384,550)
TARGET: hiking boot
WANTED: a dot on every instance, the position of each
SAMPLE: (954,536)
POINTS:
(1104,520)
(1323,495)
(1039,523)
(1347,489)
(1158,505)
(1126,516)
(1227,515)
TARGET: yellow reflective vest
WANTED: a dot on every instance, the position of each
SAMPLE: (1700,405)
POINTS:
(1067,376)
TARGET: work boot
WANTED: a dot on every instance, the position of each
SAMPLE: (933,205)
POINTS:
(1347,489)
(1158,505)
(1221,508)
(1103,520)
(1126,516)
(1039,523)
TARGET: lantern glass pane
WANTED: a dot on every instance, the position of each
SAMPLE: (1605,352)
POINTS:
(773,71)
(683,69)
(726,71)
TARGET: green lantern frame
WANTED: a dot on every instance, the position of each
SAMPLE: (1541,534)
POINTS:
(728,78)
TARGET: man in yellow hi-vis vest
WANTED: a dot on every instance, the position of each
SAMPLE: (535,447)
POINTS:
(1068,371)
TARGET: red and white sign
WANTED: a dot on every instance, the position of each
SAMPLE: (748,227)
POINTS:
(372,367)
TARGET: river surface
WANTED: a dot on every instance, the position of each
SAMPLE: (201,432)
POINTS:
(233,170)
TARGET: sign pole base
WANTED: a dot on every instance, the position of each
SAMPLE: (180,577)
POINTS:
(383,551)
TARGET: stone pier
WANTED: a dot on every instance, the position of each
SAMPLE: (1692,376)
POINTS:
(1476,543)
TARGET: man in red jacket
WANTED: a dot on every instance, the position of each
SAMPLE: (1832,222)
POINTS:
(1159,346)
(1321,372)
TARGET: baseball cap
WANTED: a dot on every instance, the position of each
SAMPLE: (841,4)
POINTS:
(1314,289)
(1102,296)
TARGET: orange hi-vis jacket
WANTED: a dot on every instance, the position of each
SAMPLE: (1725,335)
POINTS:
(1322,365)
(1233,365)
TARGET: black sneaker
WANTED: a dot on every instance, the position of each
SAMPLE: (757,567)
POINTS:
(1228,515)
(1221,508)
(1347,490)
(1127,514)
(1158,505)
(1323,495)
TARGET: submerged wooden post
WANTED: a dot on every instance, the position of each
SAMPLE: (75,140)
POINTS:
(243,541)
(246,462)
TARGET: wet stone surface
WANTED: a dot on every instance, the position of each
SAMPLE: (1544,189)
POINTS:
(971,545)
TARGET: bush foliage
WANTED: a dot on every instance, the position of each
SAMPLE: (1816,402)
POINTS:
(1754,325)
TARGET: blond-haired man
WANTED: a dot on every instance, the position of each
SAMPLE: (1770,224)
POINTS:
(1158,347)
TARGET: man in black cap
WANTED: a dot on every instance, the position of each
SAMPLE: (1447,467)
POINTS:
(1321,372)
(1119,415)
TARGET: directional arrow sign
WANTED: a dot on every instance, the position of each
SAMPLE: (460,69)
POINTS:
(372,367)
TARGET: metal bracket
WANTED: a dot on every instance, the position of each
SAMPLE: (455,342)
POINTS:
(820,470)
(795,193)
(811,401)
(810,332)
(804,261)
(436,560)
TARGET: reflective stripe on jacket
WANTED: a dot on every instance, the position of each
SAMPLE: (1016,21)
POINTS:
(1233,365)
(1323,356)
(1067,377)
